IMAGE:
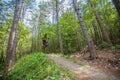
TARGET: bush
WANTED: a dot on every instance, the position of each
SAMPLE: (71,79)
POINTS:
(117,46)
(36,67)
(105,45)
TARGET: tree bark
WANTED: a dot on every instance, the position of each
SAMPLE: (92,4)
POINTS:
(85,33)
(11,45)
(78,40)
(20,18)
(117,5)
(104,32)
(58,25)
(53,18)
(22,12)
(96,33)
(13,38)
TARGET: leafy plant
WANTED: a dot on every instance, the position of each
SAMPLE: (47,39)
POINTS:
(117,46)
(105,45)
(37,66)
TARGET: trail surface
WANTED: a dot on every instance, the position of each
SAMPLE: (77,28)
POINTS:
(81,72)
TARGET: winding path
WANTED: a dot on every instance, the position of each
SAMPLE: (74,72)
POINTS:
(81,72)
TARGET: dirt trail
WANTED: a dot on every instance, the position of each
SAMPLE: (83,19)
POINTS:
(81,72)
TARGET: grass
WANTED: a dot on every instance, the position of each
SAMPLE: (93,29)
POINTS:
(37,66)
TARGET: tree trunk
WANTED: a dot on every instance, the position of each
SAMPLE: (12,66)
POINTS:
(104,32)
(117,5)
(22,10)
(96,33)
(58,25)
(11,51)
(53,42)
(15,46)
(39,42)
(32,45)
(78,40)
(85,33)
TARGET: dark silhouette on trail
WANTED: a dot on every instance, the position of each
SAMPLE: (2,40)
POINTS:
(45,42)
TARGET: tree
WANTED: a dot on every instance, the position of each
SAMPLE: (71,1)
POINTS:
(78,40)
(117,5)
(85,33)
(96,33)
(58,25)
(104,32)
(13,39)
(53,13)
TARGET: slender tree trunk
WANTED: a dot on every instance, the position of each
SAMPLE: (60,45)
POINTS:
(22,12)
(17,31)
(32,45)
(96,33)
(40,45)
(59,30)
(53,18)
(104,32)
(11,45)
(85,33)
(15,46)
(111,30)
(21,9)
(78,40)
(117,5)
(39,41)
(53,44)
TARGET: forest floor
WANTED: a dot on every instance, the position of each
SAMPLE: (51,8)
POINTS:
(106,67)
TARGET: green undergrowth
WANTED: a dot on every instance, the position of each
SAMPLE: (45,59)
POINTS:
(38,66)
(2,65)
(106,45)
(117,46)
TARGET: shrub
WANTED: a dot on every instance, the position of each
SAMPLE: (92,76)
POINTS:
(105,45)
(36,66)
(117,46)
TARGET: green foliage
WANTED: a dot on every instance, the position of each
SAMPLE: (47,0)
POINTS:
(117,46)
(2,64)
(105,44)
(37,66)
(24,39)
(4,34)
(69,24)
(68,28)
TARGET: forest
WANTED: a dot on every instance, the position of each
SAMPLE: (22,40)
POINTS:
(49,39)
